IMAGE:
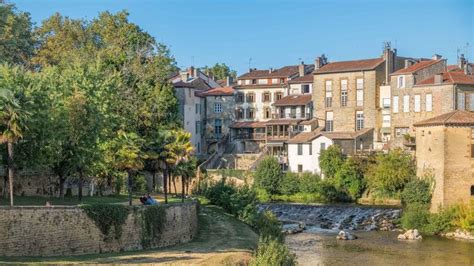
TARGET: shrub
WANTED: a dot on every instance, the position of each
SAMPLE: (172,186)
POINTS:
(309,183)
(106,216)
(391,172)
(153,221)
(139,184)
(219,193)
(329,193)
(268,175)
(464,217)
(440,222)
(267,225)
(417,191)
(272,252)
(330,160)
(415,216)
(290,184)
(349,179)
(262,195)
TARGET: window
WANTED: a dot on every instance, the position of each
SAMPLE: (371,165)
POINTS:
(267,112)
(262,81)
(344,92)
(400,131)
(359,120)
(322,147)
(293,112)
(250,113)
(386,120)
(401,82)
(218,128)
(250,97)
(406,103)
(300,168)
(417,103)
(310,149)
(240,97)
(198,108)
(247,81)
(254,81)
(461,101)
(472,190)
(329,121)
(239,113)
(278,95)
(282,80)
(217,108)
(199,147)
(266,97)
(328,93)
(239,82)
(198,124)
(386,102)
(360,92)
(300,149)
(275,81)
(395,104)
(471,102)
(305,88)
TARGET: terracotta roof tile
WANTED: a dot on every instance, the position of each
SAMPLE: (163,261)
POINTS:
(451,77)
(349,66)
(347,134)
(454,118)
(221,91)
(249,124)
(291,100)
(417,66)
(305,137)
(283,72)
(304,79)
(282,122)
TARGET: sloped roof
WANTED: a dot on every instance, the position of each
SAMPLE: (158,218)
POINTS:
(347,134)
(283,72)
(451,77)
(417,66)
(305,137)
(454,118)
(249,124)
(291,100)
(221,91)
(196,83)
(304,79)
(282,122)
(350,66)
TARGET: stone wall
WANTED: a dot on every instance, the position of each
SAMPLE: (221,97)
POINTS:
(62,231)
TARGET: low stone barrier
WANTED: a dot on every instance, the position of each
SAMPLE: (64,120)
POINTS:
(63,230)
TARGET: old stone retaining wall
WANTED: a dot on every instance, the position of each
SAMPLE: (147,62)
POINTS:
(59,231)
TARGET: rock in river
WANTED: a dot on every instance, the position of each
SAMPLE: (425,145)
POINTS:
(293,228)
(410,235)
(344,235)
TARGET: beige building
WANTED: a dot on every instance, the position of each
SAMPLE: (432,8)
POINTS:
(347,94)
(445,150)
(427,89)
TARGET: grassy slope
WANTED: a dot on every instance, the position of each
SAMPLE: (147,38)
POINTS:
(222,239)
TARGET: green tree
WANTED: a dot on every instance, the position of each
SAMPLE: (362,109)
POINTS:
(268,175)
(16,38)
(391,172)
(220,71)
(349,179)
(187,170)
(331,160)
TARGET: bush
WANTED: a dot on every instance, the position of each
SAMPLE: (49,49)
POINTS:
(464,216)
(330,160)
(139,184)
(309,183)
(267,225)
(272,252)
(262,195)
(329,193)
(349,179)
(391,172)
(415,216)
(417,191)
(290,184)
(268,175)
(440,222)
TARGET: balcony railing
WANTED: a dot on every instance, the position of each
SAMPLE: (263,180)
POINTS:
(251,136)
(291,116)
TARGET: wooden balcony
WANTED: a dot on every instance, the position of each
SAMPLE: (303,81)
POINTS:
(250,136)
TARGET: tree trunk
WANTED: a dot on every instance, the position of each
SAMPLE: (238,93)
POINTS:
(62,180)
(170,177)
(182,188)
(165,187)
(10,170)
(80,184)
(174,186)
(154,181)
(130,183)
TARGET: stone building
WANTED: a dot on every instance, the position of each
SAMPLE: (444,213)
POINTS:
(188,84)
(445,150)
(256,91)
(219,115)
(427,89)
(346,94)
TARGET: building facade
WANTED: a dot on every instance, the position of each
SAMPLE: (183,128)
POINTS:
(445,151)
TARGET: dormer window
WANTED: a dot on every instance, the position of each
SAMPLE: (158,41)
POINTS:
(401,82)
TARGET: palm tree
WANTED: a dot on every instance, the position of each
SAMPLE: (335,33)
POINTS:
(180,150)
(12,126)
(187,170)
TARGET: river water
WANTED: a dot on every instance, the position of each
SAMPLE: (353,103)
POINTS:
(317,245)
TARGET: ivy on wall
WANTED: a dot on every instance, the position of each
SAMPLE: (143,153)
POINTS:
(154,218)
(106,216)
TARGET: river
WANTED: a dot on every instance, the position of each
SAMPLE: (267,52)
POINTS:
(317,245)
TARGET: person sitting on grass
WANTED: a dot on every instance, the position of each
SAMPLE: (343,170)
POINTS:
(150,200)
(143,199)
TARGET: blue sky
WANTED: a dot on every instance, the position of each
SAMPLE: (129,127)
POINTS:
(283,32)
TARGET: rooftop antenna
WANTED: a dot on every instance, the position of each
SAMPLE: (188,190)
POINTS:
(467,51)
(250,62)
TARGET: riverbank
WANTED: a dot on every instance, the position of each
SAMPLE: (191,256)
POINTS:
(221,239)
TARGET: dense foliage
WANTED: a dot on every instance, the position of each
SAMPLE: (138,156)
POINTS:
(154,218)
(331,160)
(107,216)
(268,175)
(272,252)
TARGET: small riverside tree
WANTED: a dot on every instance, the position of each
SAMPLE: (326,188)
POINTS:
(331,160)
(268,175)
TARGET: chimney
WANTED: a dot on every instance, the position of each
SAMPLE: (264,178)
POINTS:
(270,70)
(229,81)
(408,63)
(191,71)
(184,76)
(462,63)
(389,56)
(301,69)
(436,57)
(438,78)
(250,69)
(320,61)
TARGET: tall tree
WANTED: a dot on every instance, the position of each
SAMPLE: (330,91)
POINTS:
(16,38)
(220,71)
(180,150)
